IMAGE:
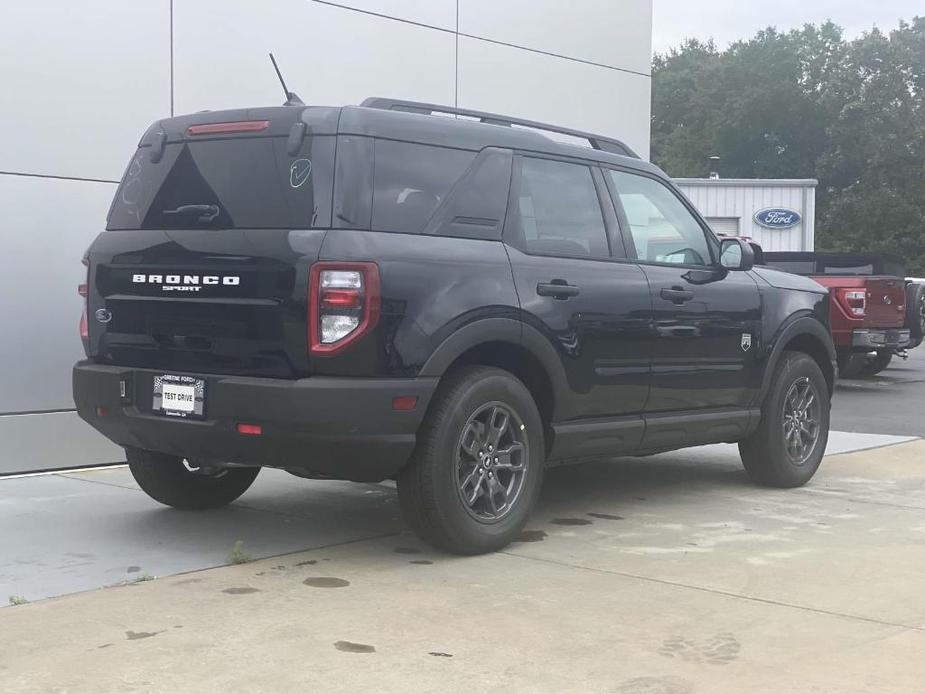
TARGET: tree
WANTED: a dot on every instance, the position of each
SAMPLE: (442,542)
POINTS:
(808,104)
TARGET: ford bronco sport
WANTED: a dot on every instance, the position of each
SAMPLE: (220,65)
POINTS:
(374,292)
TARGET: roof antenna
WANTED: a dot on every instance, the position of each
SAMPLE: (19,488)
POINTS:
(292,98)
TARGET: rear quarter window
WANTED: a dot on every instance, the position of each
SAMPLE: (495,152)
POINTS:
(410,181)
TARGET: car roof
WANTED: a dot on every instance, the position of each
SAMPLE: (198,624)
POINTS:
(465,133)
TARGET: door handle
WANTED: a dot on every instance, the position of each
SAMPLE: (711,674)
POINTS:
(677,295)
(558,289)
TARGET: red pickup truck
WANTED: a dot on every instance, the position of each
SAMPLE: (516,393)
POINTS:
(876,313)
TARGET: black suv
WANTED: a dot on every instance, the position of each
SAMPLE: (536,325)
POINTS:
(383,291)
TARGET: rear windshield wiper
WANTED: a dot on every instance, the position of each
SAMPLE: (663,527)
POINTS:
(206,212)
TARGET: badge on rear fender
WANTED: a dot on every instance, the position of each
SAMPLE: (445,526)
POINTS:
(746,341)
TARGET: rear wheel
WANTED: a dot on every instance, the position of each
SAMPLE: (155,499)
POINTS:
(877,363)
(478,467)
(173,481)
(787,448)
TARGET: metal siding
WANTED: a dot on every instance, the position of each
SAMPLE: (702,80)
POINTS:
(720,199)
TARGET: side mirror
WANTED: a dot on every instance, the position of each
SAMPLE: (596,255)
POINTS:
(736,254)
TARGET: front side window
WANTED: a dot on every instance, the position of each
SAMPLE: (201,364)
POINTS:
(560,213)
(663,229)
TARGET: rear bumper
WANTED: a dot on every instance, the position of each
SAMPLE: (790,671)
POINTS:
(870,339)
(341,428)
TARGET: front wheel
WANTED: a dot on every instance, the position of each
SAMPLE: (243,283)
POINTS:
(478,467)
(172,481)
(787,448)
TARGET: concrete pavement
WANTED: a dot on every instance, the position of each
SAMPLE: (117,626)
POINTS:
(666,575)
(78,531)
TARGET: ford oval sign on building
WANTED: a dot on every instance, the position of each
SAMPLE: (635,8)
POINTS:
(778,218)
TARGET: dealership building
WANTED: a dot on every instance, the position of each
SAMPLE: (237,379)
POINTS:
(779,215)
(90,79)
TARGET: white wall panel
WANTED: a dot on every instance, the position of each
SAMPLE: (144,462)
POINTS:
(617,33)
(81,83)
(329,55)
(52,441)
(435,13)
(539,87)
(46,226)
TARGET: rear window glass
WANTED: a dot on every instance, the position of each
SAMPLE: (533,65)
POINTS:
(246,183)
(410,181)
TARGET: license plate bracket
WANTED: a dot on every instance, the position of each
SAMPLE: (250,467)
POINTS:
(179,396)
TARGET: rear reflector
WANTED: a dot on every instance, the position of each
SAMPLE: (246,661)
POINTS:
(250,429)
(102,411)
(404,403)
(244,126)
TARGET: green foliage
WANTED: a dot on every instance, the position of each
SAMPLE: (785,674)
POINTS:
(18,600)
(237,554)
(808,104)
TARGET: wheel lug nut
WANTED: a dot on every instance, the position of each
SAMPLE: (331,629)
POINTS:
(496,460)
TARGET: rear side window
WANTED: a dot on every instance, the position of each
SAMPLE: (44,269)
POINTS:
(240,183)
(559,210)
(410,181)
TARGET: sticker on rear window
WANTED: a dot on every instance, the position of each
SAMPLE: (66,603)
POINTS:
(299,172)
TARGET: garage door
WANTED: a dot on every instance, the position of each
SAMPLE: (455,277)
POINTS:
(724,225)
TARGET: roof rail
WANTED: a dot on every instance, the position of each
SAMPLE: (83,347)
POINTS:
(599,142)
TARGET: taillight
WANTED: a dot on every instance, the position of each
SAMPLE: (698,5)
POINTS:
(854,301)
(343,304)
(84,291)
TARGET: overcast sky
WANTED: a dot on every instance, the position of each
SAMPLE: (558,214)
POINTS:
(729,20)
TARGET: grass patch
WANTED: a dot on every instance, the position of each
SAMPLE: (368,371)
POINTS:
(144,577)
(237,554)
(18,600)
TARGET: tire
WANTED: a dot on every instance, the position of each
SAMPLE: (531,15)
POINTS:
(452,459)
(915,311)
(851,365)
(167,480)
(877,363)
(767,458)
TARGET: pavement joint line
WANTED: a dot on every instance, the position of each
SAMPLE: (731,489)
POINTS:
(716,591)
(909,439)
(105,484)
(64,471)
(855,500)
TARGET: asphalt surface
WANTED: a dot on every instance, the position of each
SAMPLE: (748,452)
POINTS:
(892,402)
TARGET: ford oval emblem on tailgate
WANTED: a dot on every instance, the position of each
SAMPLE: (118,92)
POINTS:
(778,218)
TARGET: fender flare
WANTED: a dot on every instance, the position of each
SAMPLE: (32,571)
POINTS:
(804,324)
(509,331)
